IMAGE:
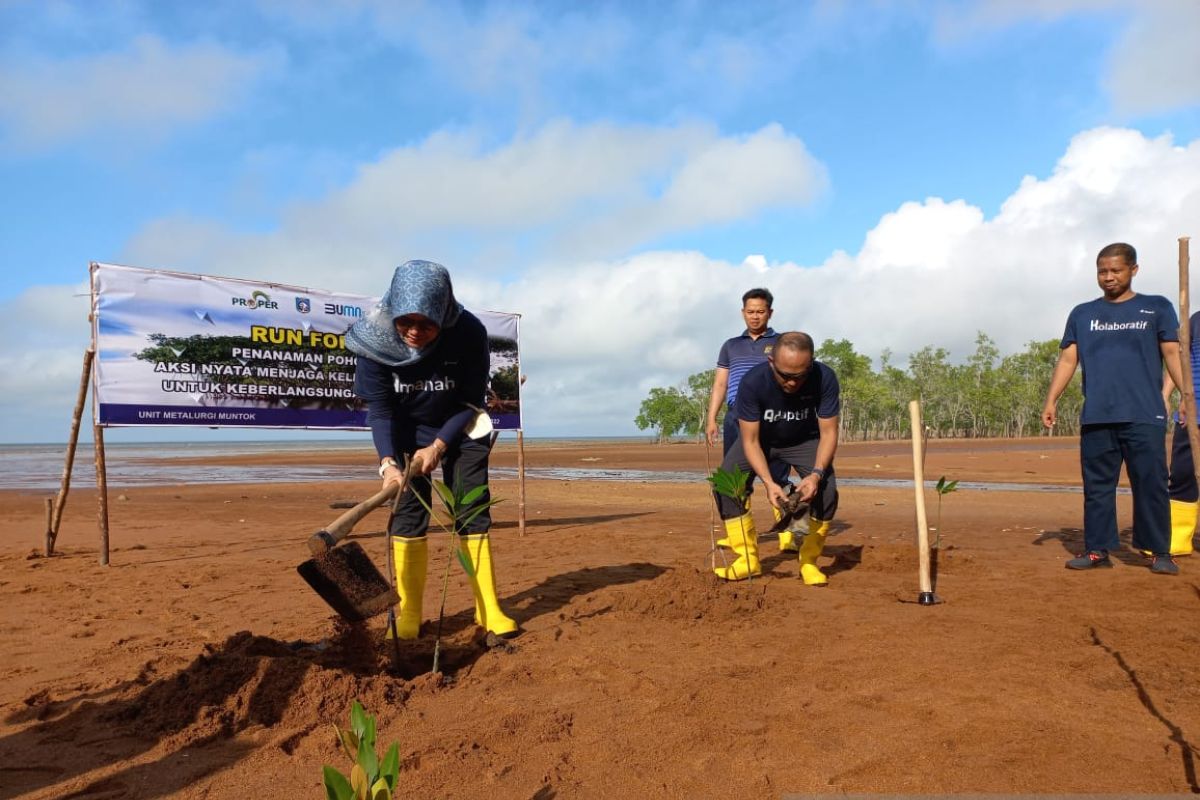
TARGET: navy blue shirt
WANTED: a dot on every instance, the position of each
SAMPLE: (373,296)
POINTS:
(1118,345)
(740,354)
(430,393)
(788,419)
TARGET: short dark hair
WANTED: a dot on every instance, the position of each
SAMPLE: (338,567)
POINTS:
(1120,250)
(795,340)
(759,294)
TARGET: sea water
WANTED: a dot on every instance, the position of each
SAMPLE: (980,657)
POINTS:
(38,467)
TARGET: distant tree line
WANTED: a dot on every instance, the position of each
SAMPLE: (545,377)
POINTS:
(986,396)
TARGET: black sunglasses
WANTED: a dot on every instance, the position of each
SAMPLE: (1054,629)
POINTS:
(789,376)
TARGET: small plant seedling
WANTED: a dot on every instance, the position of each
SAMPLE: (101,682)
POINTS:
(730,483)
(944,487)
(733,484)
(460,512)
(370,778)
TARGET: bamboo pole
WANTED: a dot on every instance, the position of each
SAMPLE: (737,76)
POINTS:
(1188,390)
(926,597)
(49,530)
(101,493)
(65,485)
(521,481)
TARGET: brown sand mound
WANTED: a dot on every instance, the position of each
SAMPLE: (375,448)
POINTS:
(687,593)
(250,681)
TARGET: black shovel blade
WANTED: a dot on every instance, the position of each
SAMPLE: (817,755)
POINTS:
(349,582)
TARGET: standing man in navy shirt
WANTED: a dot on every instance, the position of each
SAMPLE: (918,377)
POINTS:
(787,411)
(738,355)
(1121,341)
(1182,484)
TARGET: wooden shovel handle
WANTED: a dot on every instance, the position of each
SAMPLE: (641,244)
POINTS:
(325,539)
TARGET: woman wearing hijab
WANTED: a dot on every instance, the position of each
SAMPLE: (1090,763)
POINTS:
(422,368)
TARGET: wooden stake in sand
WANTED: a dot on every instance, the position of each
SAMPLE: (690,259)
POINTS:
(101,493)
(61,501)
(926,597)
(1187,391)
(520,482)
(49,523)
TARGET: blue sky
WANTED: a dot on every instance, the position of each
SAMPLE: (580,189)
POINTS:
(617,172)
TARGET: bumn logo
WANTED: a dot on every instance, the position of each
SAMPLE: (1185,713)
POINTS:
(340,310)
(303,305)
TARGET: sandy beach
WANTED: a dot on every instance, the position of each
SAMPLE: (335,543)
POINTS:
(198,664)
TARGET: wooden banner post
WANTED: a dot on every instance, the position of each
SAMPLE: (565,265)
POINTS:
(1187,392)
(65,485)
(521,481)
(101,493)
(926,597)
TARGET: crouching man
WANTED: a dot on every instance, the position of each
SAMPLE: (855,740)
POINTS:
(787,411)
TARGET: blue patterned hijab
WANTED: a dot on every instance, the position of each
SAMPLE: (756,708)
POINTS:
(418,287)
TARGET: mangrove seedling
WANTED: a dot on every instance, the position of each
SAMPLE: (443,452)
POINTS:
(461,509)
(733,484)
(370,778)
(944,487)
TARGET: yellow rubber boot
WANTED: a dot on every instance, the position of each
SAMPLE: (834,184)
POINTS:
(477,548)
(724,541)
(810,551)
(1183,526)
(743,540)
(410,556)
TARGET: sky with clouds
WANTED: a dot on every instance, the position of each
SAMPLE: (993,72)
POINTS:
(899,173)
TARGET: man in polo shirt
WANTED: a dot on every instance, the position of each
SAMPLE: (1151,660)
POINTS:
(736,358)
(787,411)
(1121,341)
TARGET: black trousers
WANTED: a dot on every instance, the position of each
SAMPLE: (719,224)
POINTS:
(464,467)
(1182,482)
(800,457)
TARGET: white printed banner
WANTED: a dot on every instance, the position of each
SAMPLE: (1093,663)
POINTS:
(175,348)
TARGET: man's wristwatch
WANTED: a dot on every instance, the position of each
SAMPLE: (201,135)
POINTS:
(383,466)
(820,473)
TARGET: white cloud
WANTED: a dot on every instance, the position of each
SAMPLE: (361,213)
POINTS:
(48,331)
(142,91)
(598,333)
(1156,65)
(596,337)
(564,192)
(1152,67)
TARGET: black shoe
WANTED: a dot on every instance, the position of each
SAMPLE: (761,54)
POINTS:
(1163,564)
(1091,560)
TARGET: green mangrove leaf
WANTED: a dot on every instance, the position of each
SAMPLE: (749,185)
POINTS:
(446,495)
(348,741)
(369,763)
(368,737)
(389,768)
(380,790)
(358,720)
(475,512)
(358,782)
(472,496)
(337,787)
(465,562)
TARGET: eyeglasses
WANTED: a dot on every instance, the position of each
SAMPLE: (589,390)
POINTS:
(421,324)
(789,376)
